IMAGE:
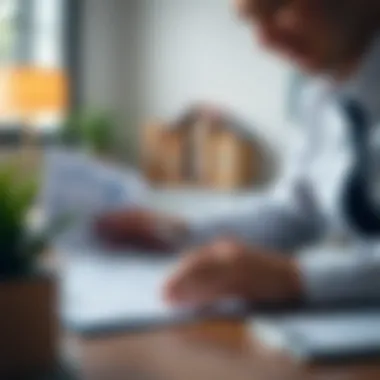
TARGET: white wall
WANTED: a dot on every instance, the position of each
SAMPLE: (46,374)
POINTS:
(109,66)
(153,57)
(109,32)
(198,50)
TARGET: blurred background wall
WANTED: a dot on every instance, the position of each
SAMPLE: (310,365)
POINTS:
(140,59)
(156,57)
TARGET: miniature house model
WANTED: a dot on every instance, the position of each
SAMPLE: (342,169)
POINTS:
(204,148)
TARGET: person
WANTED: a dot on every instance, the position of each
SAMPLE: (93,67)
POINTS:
(264,253)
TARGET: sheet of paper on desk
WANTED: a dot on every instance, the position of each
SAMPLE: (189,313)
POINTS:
(100,289)
(79,185)
(102,294)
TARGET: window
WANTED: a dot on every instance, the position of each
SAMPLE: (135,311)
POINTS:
(8,14)
(33,72)
(47,45)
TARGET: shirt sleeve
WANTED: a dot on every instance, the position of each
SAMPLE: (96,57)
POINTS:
(351,272)
(265,223)
(286,219)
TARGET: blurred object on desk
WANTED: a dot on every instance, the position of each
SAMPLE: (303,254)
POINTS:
(207,148)
(28,321)
(29,325)
(322,337)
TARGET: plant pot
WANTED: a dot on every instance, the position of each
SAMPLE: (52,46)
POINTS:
(28,325)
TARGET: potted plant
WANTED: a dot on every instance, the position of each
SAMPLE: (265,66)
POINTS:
(95,131)
(28,322)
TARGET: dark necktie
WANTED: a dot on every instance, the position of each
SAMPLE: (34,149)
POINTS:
(358,206)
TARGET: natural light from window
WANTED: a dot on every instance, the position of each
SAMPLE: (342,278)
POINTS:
(32,64)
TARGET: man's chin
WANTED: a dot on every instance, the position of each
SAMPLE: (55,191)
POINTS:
(305,63)
(309,66)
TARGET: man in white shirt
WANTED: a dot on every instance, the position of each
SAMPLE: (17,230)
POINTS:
(263,253)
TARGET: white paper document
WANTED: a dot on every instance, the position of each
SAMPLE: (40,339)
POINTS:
(82,187)
(97,289)
(102,295)
(96,285)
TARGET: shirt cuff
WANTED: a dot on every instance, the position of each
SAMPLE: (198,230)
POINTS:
(329,276)
(198,231)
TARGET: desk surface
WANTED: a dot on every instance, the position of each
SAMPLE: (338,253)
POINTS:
(219,350)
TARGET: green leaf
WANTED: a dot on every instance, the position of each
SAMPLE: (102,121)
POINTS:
(19,249)
(17,195)
(93,129)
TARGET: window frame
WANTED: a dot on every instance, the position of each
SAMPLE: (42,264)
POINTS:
(73,47)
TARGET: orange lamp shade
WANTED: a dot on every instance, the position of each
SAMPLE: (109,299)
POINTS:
(31,91)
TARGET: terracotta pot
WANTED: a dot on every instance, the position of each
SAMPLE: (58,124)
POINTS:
(28,325)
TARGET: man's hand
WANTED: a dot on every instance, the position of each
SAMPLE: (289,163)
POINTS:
(141,228)
(229,269)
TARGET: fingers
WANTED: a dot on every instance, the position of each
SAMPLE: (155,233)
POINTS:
(204,276)
(192,281)
(134,228)
(117,222)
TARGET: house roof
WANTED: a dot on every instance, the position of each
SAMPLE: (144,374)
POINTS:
(223,118)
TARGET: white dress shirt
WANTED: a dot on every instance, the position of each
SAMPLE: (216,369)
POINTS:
(311,212)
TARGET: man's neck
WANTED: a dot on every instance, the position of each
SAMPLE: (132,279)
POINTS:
(348,67)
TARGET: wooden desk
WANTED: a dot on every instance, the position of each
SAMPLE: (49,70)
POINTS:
(212,351)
